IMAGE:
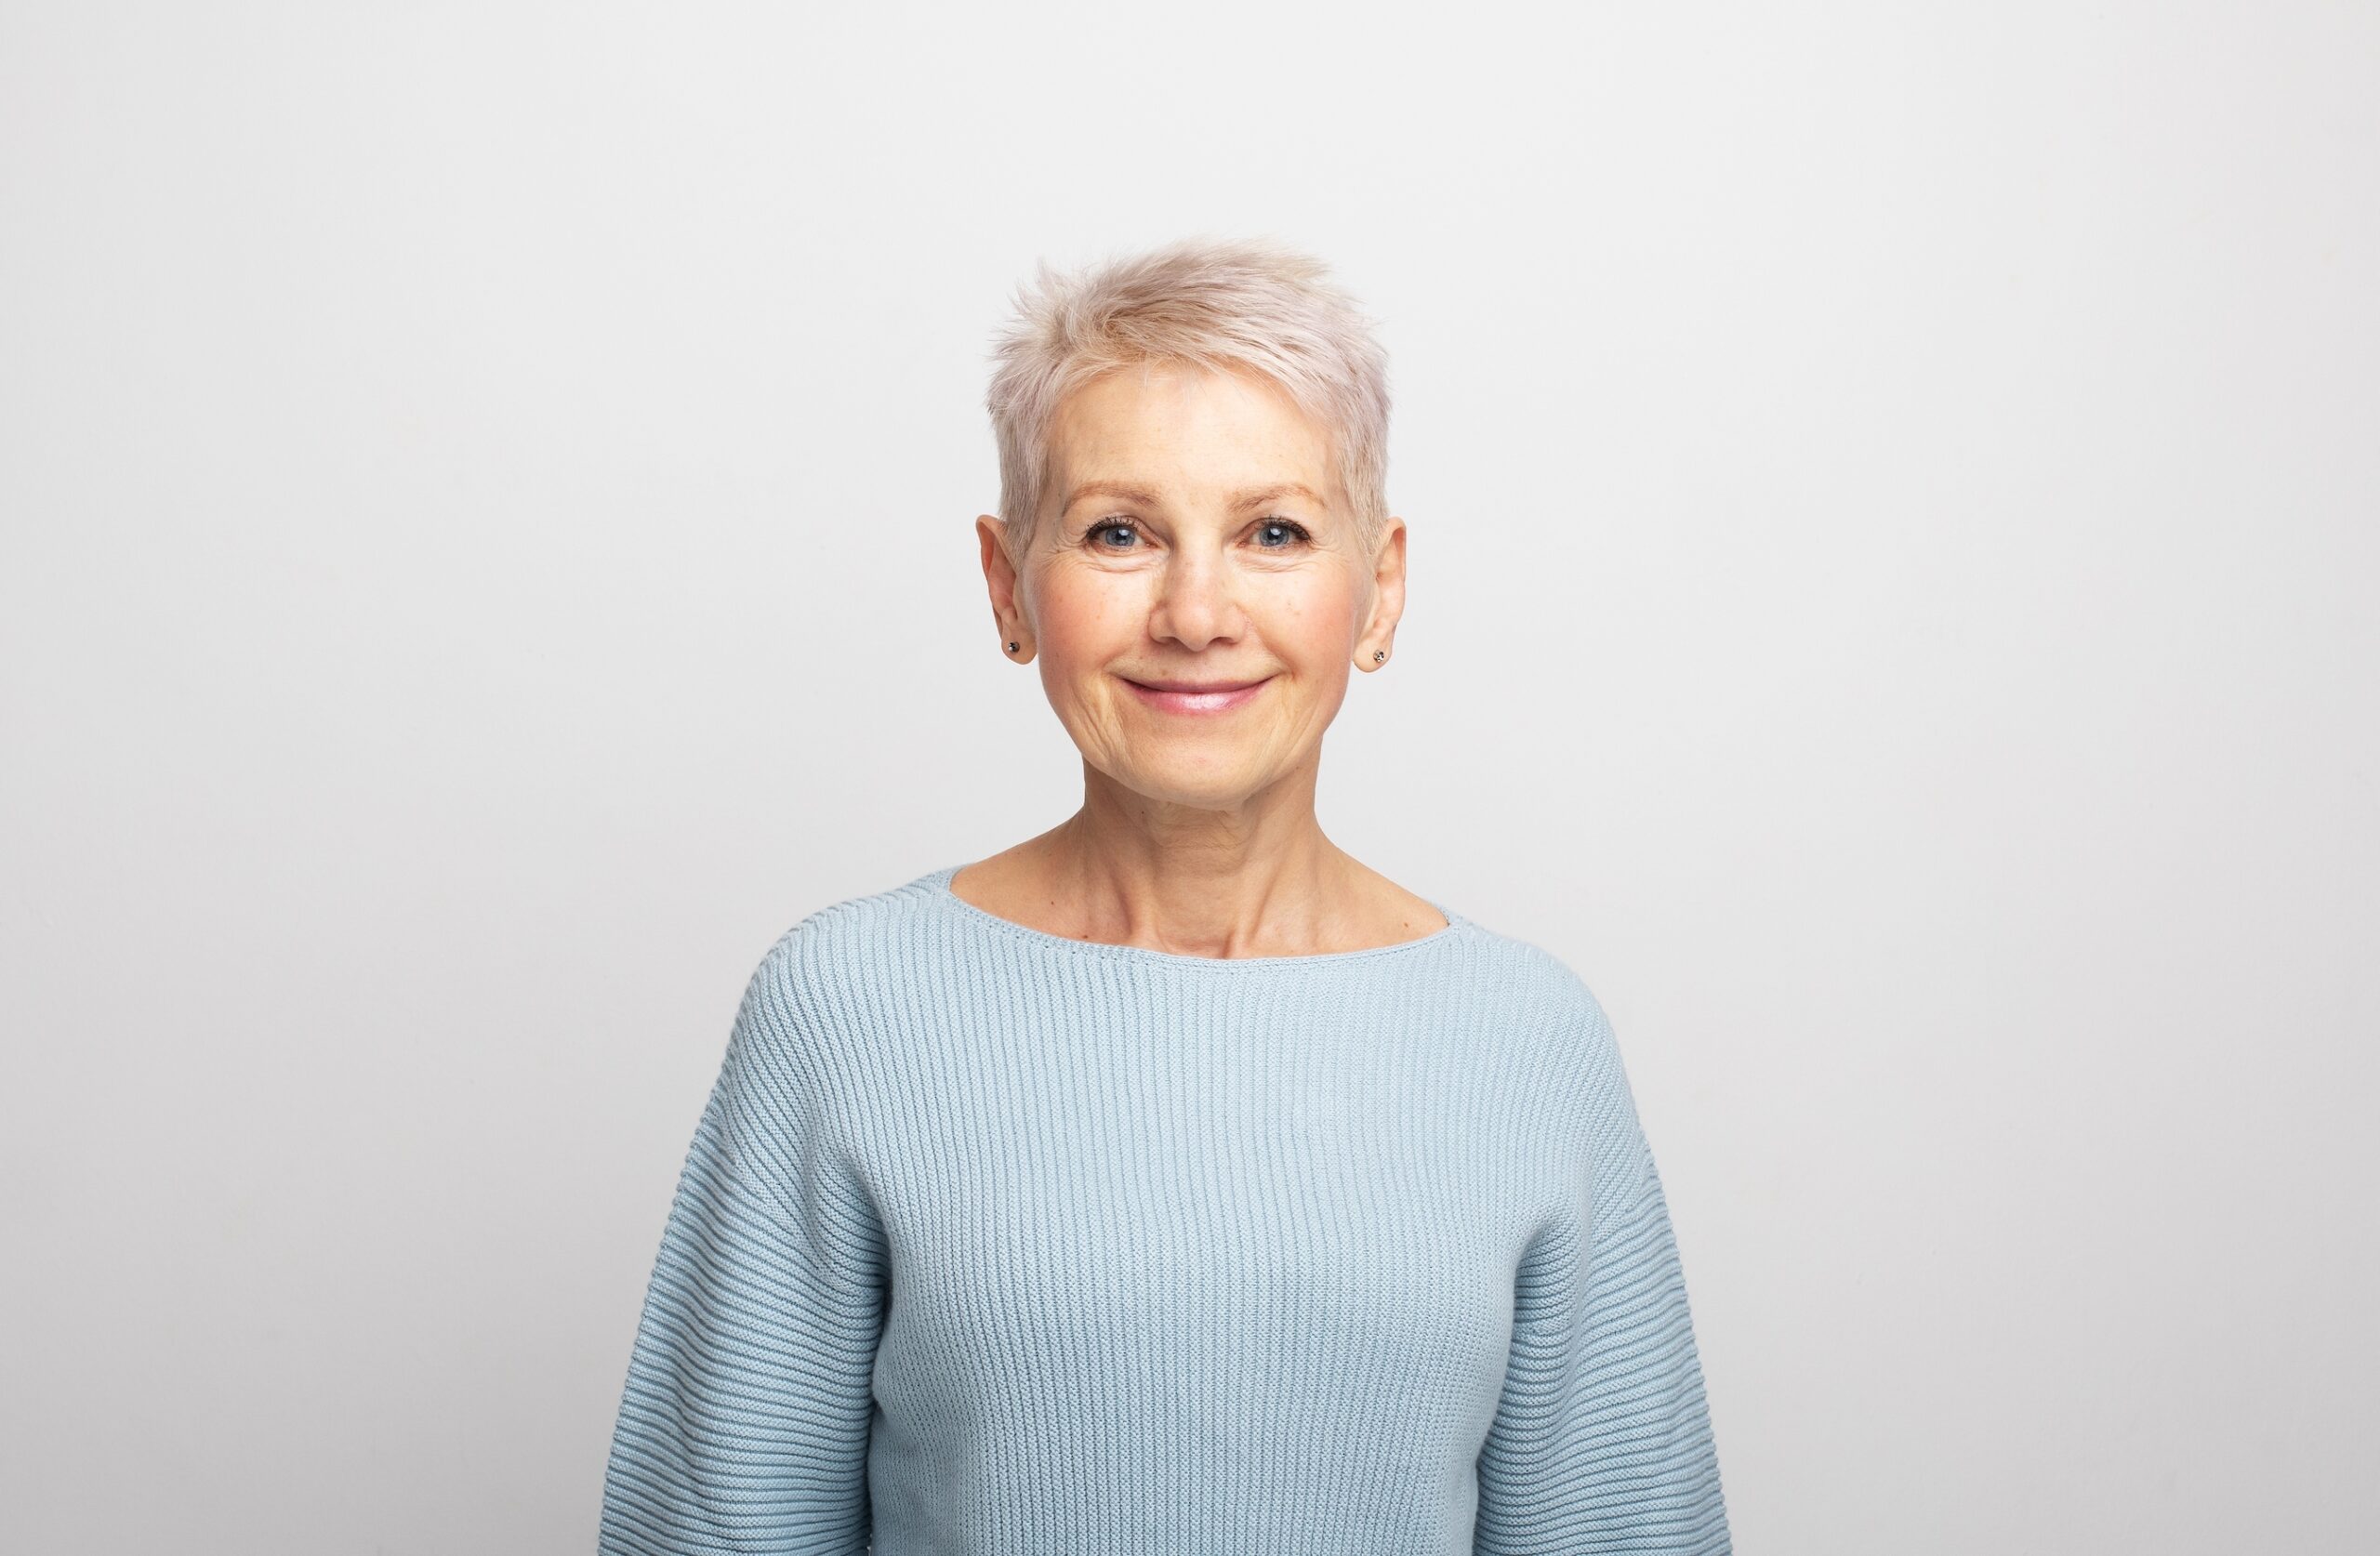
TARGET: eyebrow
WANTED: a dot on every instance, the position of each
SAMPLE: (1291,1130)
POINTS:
(1125,491)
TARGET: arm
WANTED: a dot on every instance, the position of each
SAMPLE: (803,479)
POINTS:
(744,1426)
(1602,1442)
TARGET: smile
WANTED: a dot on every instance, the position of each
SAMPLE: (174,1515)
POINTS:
(1179,697)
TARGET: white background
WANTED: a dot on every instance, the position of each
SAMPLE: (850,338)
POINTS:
(488,497)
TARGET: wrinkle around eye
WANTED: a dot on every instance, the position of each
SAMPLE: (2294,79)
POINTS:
(1301,537)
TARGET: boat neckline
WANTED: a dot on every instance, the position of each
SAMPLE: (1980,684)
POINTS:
(938,884)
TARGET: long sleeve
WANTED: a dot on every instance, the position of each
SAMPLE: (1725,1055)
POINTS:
(744,1426)
(1602,1442)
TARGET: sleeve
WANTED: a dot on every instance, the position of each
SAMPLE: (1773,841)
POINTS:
(745,1423)
(1602,1442)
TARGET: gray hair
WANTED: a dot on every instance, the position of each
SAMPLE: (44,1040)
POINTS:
(1250,305)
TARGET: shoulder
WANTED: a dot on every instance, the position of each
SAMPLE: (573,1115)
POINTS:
(1572,1054)
(818,1010)
(826,983)
(1573,1064)
(1548,999)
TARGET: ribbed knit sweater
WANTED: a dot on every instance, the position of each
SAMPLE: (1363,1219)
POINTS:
(994,1243)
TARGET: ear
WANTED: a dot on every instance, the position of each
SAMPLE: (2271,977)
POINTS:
(1002,578)
(1373,645)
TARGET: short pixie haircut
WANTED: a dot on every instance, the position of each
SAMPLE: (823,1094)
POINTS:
(1246,305)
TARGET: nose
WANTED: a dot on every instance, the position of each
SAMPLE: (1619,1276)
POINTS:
(1196,601)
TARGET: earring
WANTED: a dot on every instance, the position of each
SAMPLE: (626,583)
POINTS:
(1011,648)
(1379,654)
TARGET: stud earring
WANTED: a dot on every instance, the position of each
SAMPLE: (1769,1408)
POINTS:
(1011,648)
(1379,654)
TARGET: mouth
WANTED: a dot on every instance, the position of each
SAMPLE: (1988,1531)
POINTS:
(1196,697)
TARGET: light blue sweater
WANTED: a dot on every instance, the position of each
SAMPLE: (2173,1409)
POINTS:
(993,1243)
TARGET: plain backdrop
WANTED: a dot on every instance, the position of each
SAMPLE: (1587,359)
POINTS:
(488,496)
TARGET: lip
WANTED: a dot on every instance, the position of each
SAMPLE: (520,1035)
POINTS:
(1181,696)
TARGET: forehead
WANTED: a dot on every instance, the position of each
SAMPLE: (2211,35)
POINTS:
(1185,426)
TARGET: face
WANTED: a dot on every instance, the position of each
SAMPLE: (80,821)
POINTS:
(1194,535)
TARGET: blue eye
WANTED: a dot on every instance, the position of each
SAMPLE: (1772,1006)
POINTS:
(1297,533)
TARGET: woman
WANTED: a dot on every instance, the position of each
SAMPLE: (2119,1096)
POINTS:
(1171,1181)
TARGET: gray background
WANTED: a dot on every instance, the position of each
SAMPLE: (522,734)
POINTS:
(487,495)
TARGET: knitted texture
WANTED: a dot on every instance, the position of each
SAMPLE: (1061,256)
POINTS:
(993,1243)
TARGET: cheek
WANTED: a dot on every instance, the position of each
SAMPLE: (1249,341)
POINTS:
(1081,615)
(1314,623)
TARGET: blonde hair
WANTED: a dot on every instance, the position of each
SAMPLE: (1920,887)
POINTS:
(1247,304)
